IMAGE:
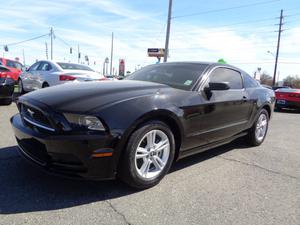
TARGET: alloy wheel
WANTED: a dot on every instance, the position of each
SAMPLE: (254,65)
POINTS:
(152,154)
(261,127)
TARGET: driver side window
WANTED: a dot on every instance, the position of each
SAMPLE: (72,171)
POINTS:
(34,66)
(224,75)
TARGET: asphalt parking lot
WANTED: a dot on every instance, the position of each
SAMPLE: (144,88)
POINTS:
(232,184)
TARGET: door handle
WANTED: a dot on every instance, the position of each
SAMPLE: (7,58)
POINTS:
(244,98)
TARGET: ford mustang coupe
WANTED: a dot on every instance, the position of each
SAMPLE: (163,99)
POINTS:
(135,128)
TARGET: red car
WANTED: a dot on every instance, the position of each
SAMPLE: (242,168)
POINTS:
(15,67)
(287,98)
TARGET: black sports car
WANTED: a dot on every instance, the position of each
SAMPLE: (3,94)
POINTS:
(136,128)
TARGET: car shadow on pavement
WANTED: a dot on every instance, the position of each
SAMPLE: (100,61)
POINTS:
(26,188)
(288,111)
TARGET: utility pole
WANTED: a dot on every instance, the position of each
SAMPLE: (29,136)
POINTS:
(78,54)
(23,57)
(46,50)
(168,31)
(278,45)
(51,37)
(111,52)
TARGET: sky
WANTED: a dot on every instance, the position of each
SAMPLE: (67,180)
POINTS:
(241,32)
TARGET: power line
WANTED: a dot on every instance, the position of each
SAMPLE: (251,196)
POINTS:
(226,9)
(31,39)
(64,42)
(239,23)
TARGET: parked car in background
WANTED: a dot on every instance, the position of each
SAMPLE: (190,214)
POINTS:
(110,77)
(47,73)
(267,86)
(287,98)
(14,67)
(278,87)
(6,86)
(136,128)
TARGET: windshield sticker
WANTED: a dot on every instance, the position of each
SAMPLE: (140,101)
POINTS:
(188,82)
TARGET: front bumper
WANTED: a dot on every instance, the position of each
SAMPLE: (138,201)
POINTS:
(68,155)
(286,104)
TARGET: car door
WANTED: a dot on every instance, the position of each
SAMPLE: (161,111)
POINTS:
(28,77)
(44,73)
(226,112)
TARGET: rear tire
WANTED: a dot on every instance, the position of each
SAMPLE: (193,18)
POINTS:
(148,156)
(45,85)
(258,131)
(6,101)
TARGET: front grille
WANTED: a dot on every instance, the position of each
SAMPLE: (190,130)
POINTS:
(34,117)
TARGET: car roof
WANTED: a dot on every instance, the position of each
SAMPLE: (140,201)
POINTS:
(210,64)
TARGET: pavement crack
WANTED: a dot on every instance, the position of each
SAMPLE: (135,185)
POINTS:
(260,167)
(116,211)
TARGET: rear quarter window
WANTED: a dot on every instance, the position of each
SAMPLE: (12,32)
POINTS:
(249,82)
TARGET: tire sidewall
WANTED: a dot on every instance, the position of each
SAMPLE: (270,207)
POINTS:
(262,111)
(132,145)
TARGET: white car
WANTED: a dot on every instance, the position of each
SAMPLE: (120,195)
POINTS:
(47,73)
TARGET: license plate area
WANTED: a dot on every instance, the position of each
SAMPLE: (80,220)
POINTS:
(281,102)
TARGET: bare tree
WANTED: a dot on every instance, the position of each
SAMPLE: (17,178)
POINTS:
(292,81)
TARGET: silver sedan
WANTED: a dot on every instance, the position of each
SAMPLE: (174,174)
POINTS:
(47,73)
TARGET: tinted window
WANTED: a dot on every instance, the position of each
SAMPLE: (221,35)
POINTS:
(34,66)
(44,66)
(14,64)
(181,76)
(73,66)
(231,77)
(249,82)
(3,69)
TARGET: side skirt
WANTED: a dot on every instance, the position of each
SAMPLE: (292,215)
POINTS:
(186,153)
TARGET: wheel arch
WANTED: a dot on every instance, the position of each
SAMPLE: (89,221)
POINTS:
(45,82)
(268,108)
(165,116)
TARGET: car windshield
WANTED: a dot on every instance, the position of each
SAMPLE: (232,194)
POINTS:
(73,66)
(179,75)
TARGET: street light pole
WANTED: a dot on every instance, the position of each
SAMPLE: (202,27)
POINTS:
(168,31)
(51,37)
(111,52)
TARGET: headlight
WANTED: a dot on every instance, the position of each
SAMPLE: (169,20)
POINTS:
(89,122)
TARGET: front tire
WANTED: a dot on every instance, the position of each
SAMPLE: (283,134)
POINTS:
(148,155)
(258,131)
(21,87)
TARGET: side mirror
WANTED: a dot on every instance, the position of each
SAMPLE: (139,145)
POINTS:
(222,86)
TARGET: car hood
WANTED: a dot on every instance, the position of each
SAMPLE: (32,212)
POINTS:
(84,97)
